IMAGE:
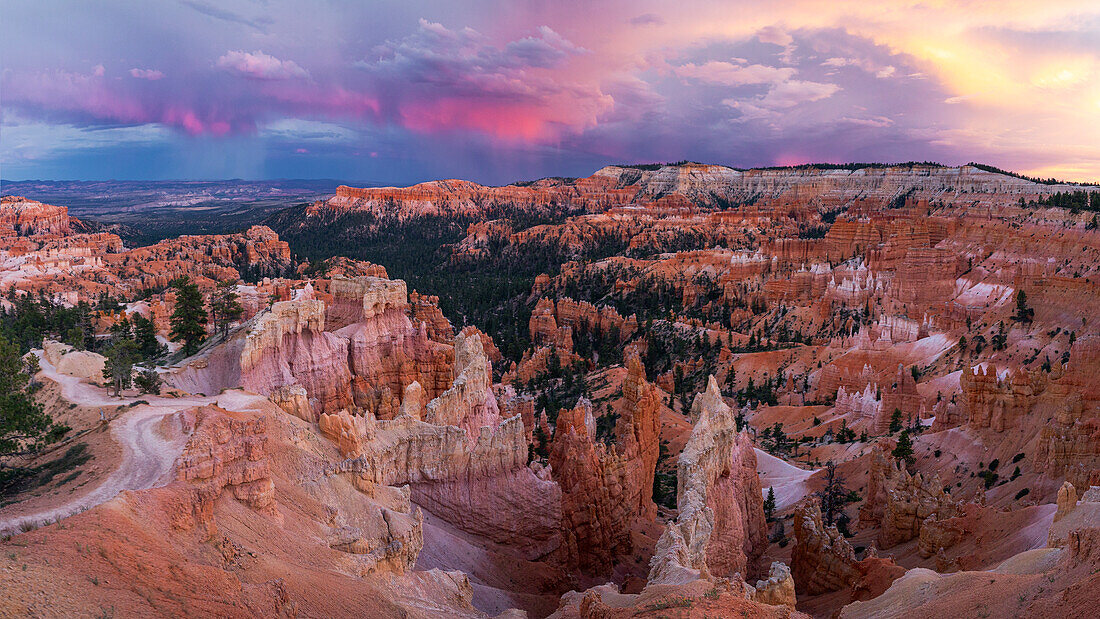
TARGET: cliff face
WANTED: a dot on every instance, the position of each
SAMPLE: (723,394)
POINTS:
(223,454)
(359,351)
(678,187)
(998,402)
(720,529)
(480,484)
(387,352)
(288,345)
(822,560)
(464,462)
(30,217)
(607,484)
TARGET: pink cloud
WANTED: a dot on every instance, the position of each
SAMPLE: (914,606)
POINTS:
(260,66)
(438,79)
(504,121)
(90,98)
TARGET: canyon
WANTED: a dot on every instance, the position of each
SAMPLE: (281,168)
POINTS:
(670,390)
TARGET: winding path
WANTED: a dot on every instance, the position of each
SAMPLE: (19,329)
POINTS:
(147,455)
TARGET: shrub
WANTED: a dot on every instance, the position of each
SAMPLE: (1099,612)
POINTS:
(1021,494)
(148,381)
(990,478)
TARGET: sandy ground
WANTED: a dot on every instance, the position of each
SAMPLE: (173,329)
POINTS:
(500,578)
(788,480)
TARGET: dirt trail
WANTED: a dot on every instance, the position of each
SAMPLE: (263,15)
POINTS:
(148,455)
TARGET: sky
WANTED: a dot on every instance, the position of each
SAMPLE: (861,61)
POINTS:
(497,91)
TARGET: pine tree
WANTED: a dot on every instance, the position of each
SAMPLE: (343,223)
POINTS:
(24,426)
(1023,312)
(119,368)
(145,334)
(189,318)
(904,450)
(895,420)
(121,329)
(834,496)
(225,306)
(769,504)
(148,381)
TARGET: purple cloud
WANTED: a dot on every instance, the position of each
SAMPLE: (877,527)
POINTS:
(441,79)
(443,88)
(147,74)
(647,19)
(260,66)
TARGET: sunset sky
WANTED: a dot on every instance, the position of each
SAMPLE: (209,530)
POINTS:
(408,90)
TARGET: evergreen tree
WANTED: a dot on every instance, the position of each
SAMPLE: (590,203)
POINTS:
(122,329)
(904,450)
(24,426)
(145,334)
(119,368)
(542,447)
(189,318)
(895,421)
(769,504)
(1023,312)
(845,434)
(834,496)
(225,306)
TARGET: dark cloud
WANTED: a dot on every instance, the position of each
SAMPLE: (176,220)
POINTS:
(259,23)
(647,19)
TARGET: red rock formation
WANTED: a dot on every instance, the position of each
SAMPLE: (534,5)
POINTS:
(607,484)
(592,536)
(426,309)
(720,529)
(206,259)
(1070,446)
(823,561)
(682,188)
(30,217)
(289,346)
(999,402)
(873,408)
(926,277)
(553,323)
(387,352)
(901,503)
(222,454)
